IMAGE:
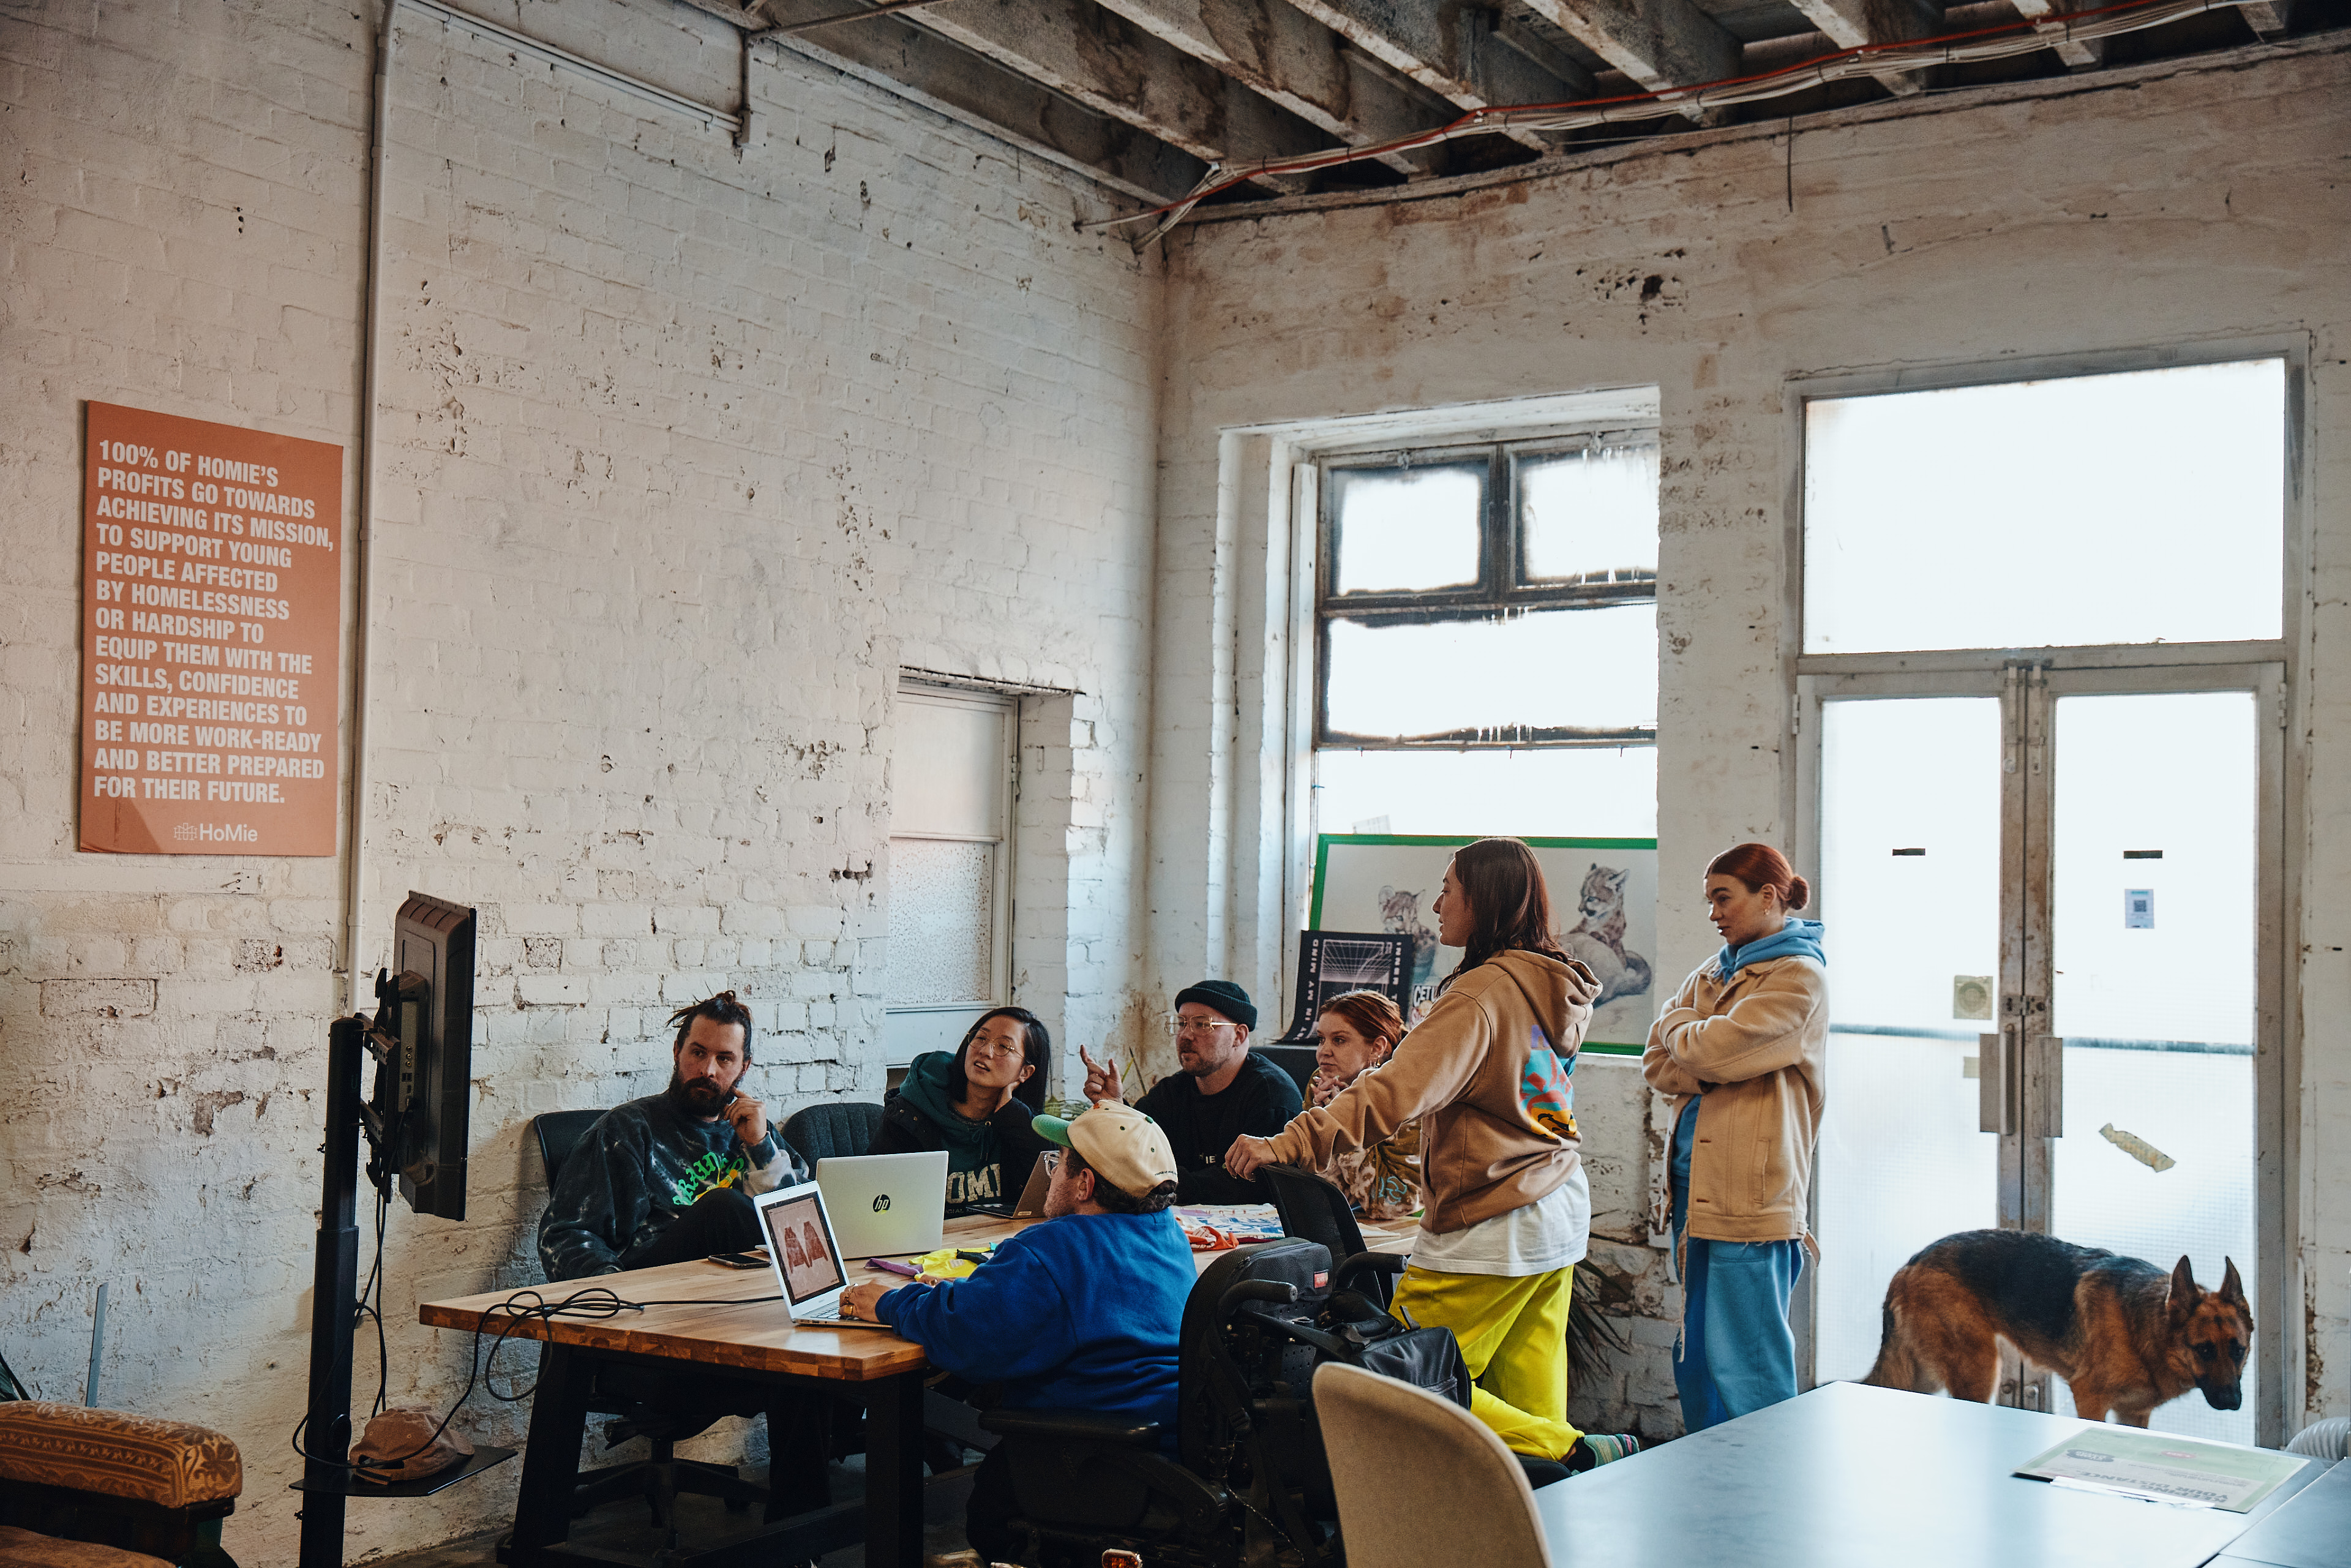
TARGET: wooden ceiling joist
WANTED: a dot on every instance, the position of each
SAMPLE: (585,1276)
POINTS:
(1455,51)
(1117,68)
(1276,50)
(1660,44)
(1850,24)
(899,57)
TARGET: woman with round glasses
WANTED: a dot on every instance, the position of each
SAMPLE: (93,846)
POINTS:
(967,1102)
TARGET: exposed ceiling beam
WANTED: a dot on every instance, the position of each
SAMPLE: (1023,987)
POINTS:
(1660,44)
(1850,24)
(1514,31)
(940,75)
(2269,17)
(1452,50)
(1296,61)
(2075,52)
(1115,68)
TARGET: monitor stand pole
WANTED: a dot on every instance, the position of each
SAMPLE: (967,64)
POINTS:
(334,1294)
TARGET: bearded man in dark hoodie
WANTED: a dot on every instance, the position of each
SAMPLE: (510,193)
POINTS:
(967,1103)
(669,1177)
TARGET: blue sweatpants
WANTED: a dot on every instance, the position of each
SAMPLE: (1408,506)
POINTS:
(1737,1351)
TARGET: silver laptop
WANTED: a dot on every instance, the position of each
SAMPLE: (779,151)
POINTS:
(809,1267)
(886,1206)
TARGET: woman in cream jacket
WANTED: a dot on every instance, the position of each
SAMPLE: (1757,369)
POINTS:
(1741,1050)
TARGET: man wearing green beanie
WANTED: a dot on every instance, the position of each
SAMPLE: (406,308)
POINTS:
(1221,1092)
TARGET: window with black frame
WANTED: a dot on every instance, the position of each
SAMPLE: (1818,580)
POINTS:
(1487,640)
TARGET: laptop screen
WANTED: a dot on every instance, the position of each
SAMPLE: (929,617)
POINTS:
(800,1238)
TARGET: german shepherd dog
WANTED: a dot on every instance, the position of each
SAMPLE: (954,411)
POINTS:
(2123,1337)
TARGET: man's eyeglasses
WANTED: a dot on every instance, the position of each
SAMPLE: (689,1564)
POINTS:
(1052,1162)
(1179,1026)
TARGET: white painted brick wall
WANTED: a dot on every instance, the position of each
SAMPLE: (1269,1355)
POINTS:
(686,453)
(2204,204)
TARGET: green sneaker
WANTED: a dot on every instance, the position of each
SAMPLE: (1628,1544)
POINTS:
(1595,1449)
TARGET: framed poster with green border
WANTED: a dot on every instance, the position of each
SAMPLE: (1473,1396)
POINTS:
(1604,895)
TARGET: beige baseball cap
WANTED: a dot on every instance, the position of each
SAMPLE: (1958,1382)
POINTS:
(1118,1141)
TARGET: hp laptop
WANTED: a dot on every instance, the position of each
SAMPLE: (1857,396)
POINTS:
(807,1259)
(886,1204)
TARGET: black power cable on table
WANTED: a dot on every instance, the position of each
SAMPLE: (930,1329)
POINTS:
(596,1303)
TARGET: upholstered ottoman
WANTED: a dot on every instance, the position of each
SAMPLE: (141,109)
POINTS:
(94,1479)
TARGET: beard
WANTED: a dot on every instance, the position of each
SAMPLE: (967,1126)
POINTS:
(1200,1063)
(701,1096)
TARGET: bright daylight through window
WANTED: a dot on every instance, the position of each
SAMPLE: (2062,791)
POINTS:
(1488,639)
(1969,518)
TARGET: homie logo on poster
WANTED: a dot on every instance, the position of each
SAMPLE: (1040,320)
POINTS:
(211,638)
(217,833)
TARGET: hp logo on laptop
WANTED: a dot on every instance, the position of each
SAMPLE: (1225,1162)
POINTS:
(882,1203)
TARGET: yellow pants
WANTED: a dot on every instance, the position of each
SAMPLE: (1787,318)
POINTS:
(1513,1334)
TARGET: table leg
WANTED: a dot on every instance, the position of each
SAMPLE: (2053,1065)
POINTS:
(893,1472)
(550,1463)
(800,1442)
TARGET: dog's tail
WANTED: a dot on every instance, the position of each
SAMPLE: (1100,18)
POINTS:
(1897,1365)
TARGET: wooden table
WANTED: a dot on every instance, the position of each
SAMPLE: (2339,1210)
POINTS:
(758,1342)
(1848,1477)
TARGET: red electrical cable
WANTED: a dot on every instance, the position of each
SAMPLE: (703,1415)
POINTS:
(1488,119)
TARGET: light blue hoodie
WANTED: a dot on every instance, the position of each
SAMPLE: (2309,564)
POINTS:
(1796,939)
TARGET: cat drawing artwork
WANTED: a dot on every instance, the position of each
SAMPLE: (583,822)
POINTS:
(1598,938)
(1400,912)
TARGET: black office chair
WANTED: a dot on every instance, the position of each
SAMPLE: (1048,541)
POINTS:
(647,1404)
(559,1133)
(1314,1210)
(1297,1061)
(842,1127)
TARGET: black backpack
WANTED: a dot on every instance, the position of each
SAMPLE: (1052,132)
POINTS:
(1251,1422)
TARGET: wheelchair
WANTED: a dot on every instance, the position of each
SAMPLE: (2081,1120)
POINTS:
(1247,1483)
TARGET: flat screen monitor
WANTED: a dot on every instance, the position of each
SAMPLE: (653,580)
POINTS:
(434,940)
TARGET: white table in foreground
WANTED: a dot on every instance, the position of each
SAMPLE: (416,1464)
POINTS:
(1848,1477)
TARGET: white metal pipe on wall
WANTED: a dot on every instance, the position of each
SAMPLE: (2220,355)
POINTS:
(363,548)
(370,388)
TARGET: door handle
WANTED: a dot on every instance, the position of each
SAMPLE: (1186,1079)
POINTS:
(1996,1082)
(2045,1088)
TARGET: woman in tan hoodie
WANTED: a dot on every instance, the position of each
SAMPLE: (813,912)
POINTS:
(1739,1049)
(1486,1072)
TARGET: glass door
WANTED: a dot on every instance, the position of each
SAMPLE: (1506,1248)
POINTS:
(1910,888)
(2050,920)
(2154,955)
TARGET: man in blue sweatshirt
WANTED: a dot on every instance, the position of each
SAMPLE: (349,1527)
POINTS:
(1081,1312)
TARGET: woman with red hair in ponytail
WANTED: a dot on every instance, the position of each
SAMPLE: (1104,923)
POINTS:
(1743,1042)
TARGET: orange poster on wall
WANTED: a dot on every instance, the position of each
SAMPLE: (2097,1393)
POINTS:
(211,638)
